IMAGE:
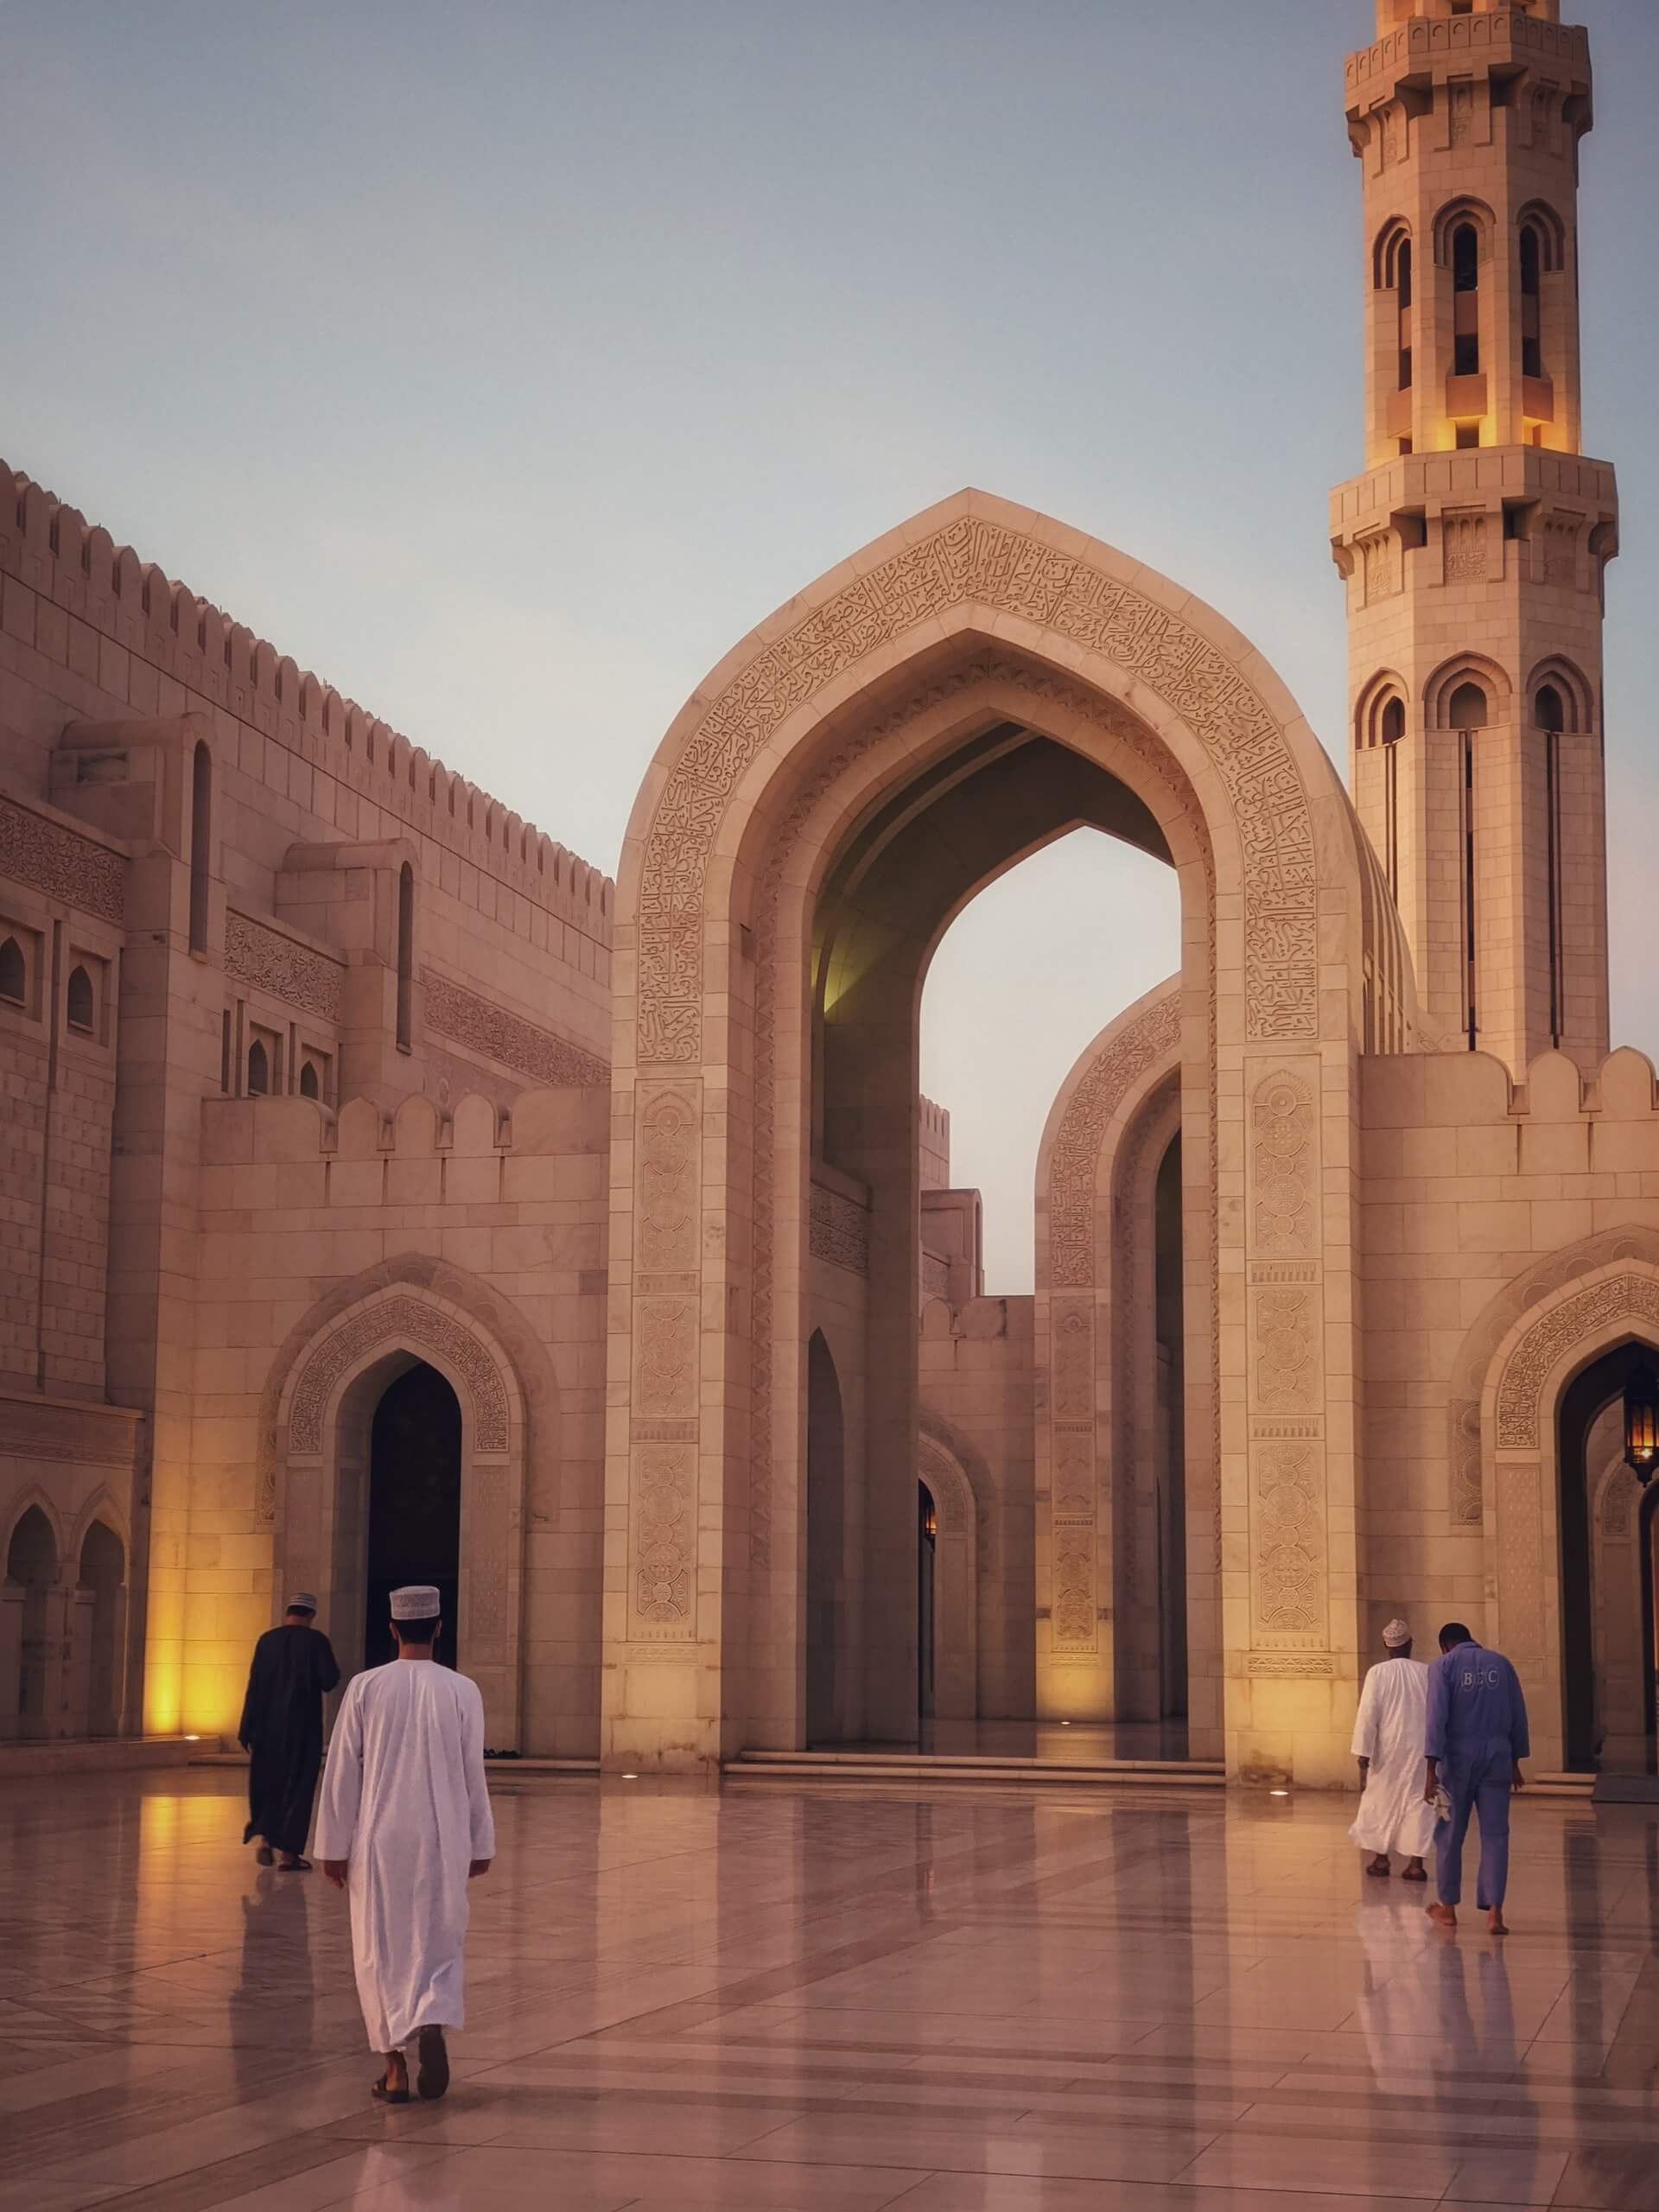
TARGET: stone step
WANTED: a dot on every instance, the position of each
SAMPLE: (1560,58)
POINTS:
(1560,1785)
(100,1755)
(502,1768)
(912,1766)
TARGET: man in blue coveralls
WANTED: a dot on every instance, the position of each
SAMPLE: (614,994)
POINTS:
(1476,1738)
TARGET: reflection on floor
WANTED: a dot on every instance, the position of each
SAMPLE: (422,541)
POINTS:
(834,2003)
(1075,1742)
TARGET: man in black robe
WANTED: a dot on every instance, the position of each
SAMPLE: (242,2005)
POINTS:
(294,1668)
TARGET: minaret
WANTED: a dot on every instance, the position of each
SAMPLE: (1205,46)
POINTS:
(1475,544)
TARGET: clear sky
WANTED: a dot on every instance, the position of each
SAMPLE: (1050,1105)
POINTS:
(506,363)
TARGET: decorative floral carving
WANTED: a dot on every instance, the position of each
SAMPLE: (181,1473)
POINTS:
(841,1231)
(52,859)
(670,1131)
(1463,1421)
(1282,1130)
(663,1480)
(1285,1345)
(1074,1612)
(1074,1470)
(265,960)
(1290,1540)
(1074,1158)
(411,1322)
(1590,1311)
(983,562)
(1314,1665)
(1520,1562)
(467,1020)
(1072,1324)
(665,1375)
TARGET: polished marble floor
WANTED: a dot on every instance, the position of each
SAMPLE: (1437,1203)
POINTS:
(779,1997)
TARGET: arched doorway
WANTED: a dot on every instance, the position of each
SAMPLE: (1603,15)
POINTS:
(102,1575)
(927,1538)
(414,1517)
(32,1568)
(1609,1640)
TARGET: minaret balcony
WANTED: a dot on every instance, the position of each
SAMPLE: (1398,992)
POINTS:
(1427,50)
(1465,399)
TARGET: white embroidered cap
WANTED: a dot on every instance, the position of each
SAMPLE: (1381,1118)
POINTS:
(1397,1632)
(303,1601)
(417,1601)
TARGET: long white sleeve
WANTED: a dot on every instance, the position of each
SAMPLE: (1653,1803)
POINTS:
(1364,1744)
(478,1789)
(342,1781)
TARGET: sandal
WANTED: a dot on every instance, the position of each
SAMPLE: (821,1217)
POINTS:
(296,1866)
(386,2096)
(1381,1872)
(433,2078)
(1415,1874)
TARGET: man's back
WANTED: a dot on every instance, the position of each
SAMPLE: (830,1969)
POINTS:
(1474,1704)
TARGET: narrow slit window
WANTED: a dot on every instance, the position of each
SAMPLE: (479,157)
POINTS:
(80,1006)
(310,1087)
(201,843)
(405,956)
(258,1071)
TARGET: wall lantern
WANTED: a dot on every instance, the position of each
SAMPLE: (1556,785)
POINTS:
(1642,1423)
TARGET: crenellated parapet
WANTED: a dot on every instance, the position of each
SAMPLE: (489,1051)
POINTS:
(78,569)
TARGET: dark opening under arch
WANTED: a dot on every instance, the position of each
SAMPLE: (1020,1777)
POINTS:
(413,1533)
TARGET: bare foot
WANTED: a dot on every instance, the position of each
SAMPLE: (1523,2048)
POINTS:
(1496,1923)
(396,2072)
(1443,1915)
(1416,1871)
(1379,1864)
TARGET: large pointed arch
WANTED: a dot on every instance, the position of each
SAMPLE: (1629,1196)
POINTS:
(840,722)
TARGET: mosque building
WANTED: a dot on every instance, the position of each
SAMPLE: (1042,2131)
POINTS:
(387,1194)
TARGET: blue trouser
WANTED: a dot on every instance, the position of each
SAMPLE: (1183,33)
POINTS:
(1477,1780)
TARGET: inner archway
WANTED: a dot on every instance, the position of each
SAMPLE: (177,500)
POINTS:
(903,873)
(32,1564)
(413,1520)
(103,1572)
(927,1540)
(1609,1636)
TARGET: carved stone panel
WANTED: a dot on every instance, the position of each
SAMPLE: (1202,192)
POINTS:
(491,1030)
(412,1323)
(670,1139)
(841,1234)
(1589,1312)
(52,859)
(663,1515)
(265,960)
(1289,1538)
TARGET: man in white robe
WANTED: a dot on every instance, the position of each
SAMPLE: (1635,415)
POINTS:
(404,1824)
(1389,1737)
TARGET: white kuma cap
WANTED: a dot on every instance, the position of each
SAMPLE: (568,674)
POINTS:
(1396,1633)
(417,1601)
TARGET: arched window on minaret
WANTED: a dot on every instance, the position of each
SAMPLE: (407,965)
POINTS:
(1468,708)
(1549,712)
(1542,249)
(1463,235)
